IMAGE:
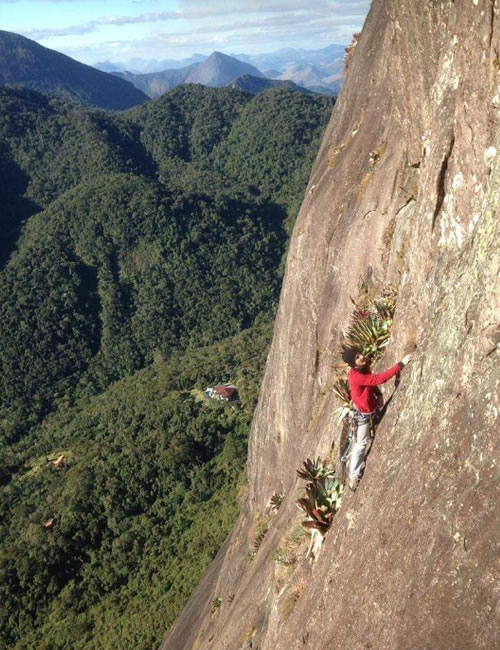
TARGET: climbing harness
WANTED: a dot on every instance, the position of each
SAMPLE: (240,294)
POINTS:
(350,436)
(355,418)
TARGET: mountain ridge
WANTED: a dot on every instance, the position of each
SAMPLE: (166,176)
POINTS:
(279,59)
(24,62)
(255,85)
(324,75)
(215,71)
(142,66)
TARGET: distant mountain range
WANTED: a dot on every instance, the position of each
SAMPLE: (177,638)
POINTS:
(24,62)
(319,78)
(282,59)
(317,70)
(142,66)
(276,62)
(216,71)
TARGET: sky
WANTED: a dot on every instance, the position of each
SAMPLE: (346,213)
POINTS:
(120,30)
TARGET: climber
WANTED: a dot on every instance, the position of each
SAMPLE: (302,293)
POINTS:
(365,398)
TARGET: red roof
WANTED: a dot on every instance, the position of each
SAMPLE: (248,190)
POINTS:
(225,391)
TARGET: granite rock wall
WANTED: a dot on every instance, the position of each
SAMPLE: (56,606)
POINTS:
(405,191)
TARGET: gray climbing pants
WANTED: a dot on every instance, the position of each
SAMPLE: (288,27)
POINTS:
(360,444)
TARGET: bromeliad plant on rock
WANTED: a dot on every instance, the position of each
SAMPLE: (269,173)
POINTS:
(370,326)
(323,494)
(324,498)
(369,331)
(342,392)
(315,469)
(370,335)
(276,500)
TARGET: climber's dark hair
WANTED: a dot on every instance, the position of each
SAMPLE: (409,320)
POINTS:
(349,356)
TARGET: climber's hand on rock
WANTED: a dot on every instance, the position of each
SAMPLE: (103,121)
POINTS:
(406,360)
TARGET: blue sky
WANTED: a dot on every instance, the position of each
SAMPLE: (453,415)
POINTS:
(119,30)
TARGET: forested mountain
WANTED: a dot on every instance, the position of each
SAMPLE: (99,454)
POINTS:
(148,491)
(216,71)
(141,262)
(219,69)
(25,63)
(154,84)
(256,85)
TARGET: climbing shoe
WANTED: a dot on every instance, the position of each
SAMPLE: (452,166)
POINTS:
(353,483)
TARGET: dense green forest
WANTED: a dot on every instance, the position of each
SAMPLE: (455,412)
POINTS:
(140,261)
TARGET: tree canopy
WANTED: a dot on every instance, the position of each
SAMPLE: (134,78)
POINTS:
(139,262)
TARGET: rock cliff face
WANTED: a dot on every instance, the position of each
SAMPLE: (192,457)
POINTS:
(405,190)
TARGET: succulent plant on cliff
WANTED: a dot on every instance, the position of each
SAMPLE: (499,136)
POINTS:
(370,335)
(323,499)
(260,532)
(383,309)
(276,500)
(316,469)
(334,491)
(342,393)
(350,49)
(384,305)
(216,603)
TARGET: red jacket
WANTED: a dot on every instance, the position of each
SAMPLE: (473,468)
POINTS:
(362,383)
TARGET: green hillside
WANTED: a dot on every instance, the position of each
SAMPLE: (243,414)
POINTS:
(144,500)
(140,263)
(25,63)
(255,85)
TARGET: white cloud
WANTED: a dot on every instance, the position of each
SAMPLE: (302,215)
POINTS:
(359,7)
(296,10)
(46,32)
(50,1)
(236,23)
